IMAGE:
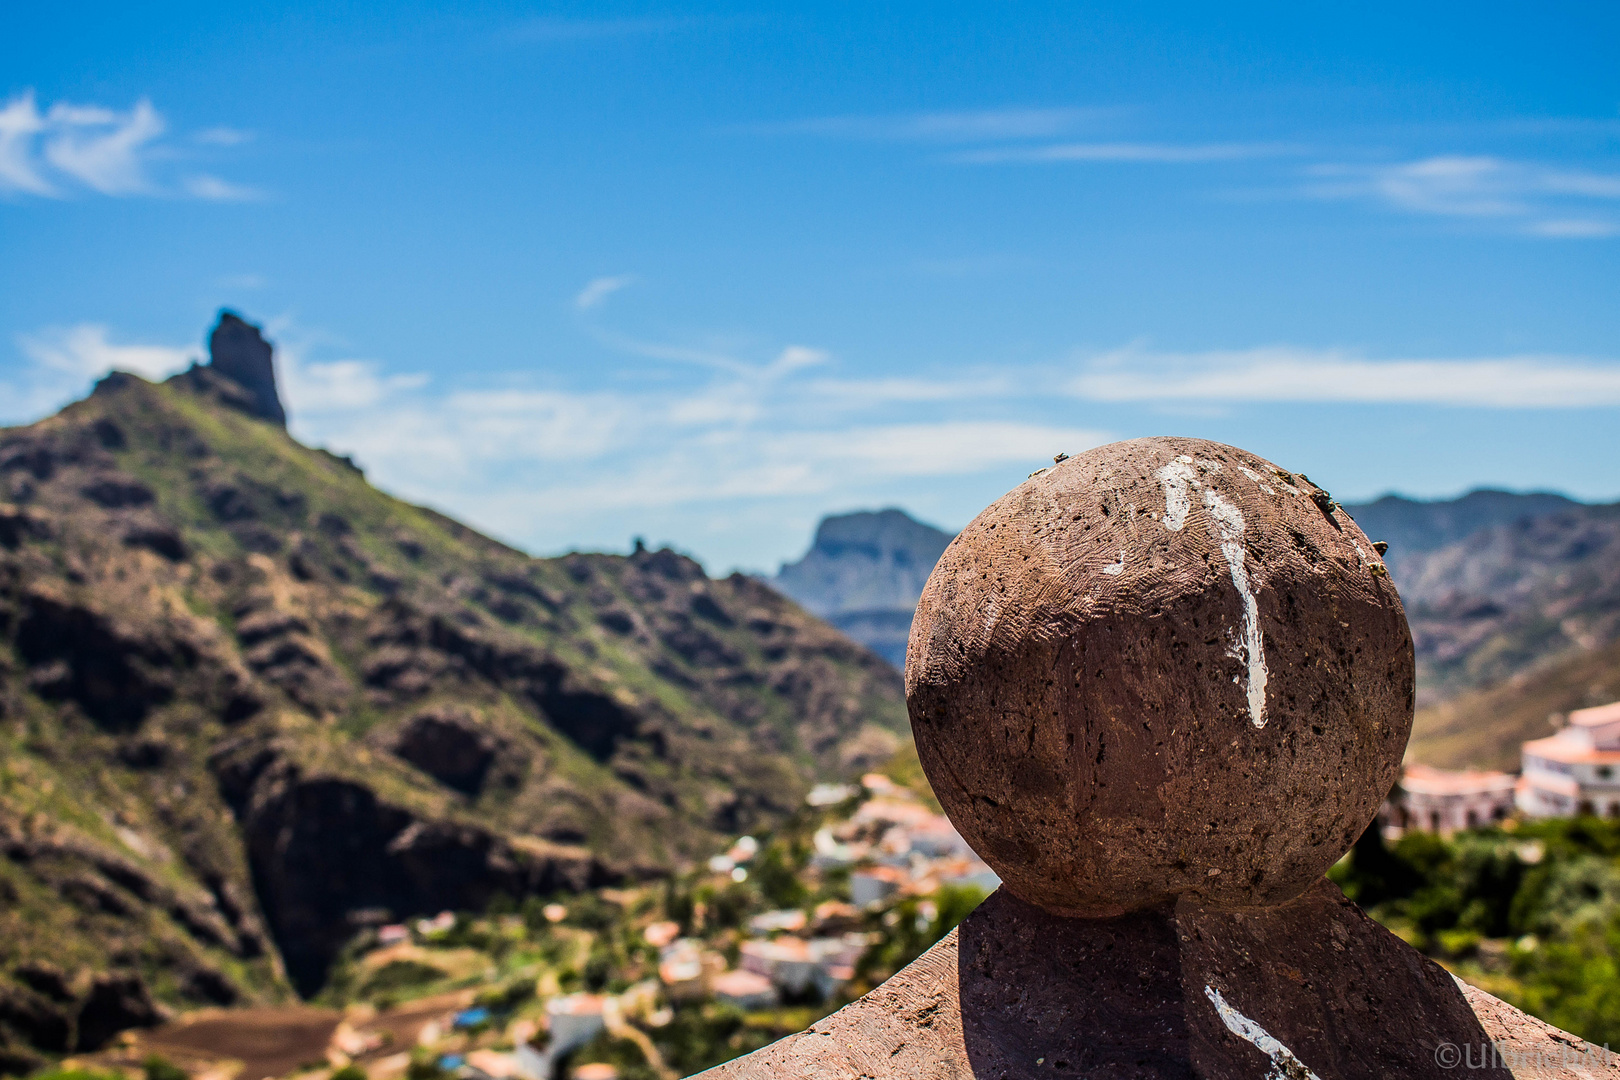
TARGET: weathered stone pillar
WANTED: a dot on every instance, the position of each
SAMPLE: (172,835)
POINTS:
(1161,687)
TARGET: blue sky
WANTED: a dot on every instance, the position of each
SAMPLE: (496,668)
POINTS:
(703,273)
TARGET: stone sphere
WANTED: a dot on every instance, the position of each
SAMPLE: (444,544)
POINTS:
(1162,667)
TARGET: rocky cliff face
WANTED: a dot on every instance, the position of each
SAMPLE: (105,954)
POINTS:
(864,573)
(248,703)
(240,371)
(1536,579)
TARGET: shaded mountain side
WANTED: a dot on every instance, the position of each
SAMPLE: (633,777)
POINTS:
(864,573)
(1511,598)
(1495,582)
(249,703)
(1414,526)
(1484,728)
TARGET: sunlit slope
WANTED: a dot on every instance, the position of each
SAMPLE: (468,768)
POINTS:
(248,702)
(1485,728)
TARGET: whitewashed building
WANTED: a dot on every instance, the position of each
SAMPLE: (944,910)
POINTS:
(1576,771)
(1446,800)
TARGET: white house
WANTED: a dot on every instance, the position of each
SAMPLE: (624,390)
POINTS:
(747,990)
(572,1021)
(1576,771)
(1444,800)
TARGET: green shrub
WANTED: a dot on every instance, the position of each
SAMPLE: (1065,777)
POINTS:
(159,1068)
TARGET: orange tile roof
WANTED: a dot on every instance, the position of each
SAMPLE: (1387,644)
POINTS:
(1427,780)
(1596,717)
(1569,752)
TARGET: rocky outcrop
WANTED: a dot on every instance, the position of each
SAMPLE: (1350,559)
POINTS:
(864,573)
(237,351)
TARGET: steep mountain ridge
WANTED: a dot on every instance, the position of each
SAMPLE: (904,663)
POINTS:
(1414,526)
(1496,583)
(1512,597)
(249,703)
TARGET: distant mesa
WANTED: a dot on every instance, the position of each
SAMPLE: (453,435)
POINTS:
(240,372)
(864,574)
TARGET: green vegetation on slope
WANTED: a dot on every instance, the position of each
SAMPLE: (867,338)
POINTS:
(1529,913)
(1484,729)
(249,704)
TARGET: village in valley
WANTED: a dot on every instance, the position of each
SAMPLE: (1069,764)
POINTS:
(661,980)
(641,983)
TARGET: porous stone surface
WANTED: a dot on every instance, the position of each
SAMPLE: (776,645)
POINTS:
(1163,668)
(1308,989)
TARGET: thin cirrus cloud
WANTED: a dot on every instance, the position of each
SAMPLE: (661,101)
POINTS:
(974,125)
(75,149)
(1278,374)
(1539,200)
(597,290)
(1125,153)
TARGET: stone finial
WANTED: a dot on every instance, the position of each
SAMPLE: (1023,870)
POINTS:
(1165,667)
(1160,688)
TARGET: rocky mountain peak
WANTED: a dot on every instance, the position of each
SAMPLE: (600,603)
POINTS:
(864,573)
(238,351)
(240,372)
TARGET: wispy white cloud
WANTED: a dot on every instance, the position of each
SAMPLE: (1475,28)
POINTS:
(20,122)
(597,290)
(1125,153)
(976,125)
(75,148)
(60,362)
(214,189)
(338,385)
(100,148)
(1534,198)
(1283,374)
(761,429)
(86,351)
(1574,228)
(871,393)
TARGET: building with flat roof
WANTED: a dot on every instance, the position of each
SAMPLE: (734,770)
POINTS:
(1577,770)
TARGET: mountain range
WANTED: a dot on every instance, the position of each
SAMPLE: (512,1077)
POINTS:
(1512,598)
(249,703)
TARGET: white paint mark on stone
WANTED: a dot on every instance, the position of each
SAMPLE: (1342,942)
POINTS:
(1118,567)
(1284,1065)
(1252,475)
(1229,524)
(1176,477)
